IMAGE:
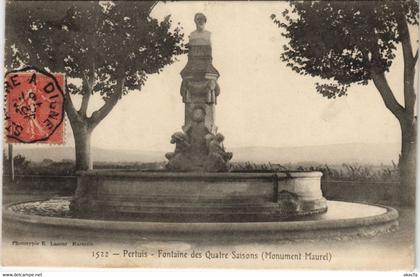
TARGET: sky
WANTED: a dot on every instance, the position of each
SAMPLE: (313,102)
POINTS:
(262,102)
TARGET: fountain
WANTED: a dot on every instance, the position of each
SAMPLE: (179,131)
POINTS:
(199,193)
(198,184)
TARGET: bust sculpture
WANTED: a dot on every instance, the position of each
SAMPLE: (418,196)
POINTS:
(200,36)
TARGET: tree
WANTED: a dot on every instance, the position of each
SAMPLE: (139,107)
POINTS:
(353,42)
(105,48)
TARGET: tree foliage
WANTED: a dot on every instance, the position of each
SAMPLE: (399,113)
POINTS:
(352,42)
(111,46)
(343,41)
(106,48)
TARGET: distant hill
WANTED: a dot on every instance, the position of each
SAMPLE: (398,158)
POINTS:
(331,154)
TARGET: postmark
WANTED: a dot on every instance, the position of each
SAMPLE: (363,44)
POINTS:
(34,106)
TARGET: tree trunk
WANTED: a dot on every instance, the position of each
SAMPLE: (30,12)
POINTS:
(405,115)
(11,162)
(82,144)
(83,126)
(81,132)
(407,162)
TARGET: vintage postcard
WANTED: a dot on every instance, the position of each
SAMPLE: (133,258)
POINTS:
(200,134)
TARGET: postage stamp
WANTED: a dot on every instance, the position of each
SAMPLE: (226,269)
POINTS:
(34,106)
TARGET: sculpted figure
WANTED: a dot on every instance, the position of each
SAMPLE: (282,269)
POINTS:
(218,158)
(213,91)
(186,98)
(181,144)
(200,36)
(199,91)
(216,147)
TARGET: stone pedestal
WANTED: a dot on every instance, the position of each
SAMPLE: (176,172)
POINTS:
(199,147)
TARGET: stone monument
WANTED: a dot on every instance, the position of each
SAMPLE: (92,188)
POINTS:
(199,147)
(196,185)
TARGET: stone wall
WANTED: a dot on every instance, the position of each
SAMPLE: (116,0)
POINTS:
(360,191)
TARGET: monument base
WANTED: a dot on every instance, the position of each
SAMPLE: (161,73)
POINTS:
(194,197)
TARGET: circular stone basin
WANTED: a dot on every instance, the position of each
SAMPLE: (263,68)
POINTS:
(198,196)
(343,219)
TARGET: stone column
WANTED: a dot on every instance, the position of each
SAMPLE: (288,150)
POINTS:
(199,147)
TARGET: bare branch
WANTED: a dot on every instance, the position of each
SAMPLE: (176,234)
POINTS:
(387,95)
(409,64)
(107,107)
(415,58)
(405,39)
(87,92)
(85,103)
(71,110)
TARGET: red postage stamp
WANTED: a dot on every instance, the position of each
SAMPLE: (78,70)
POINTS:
(34,110)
